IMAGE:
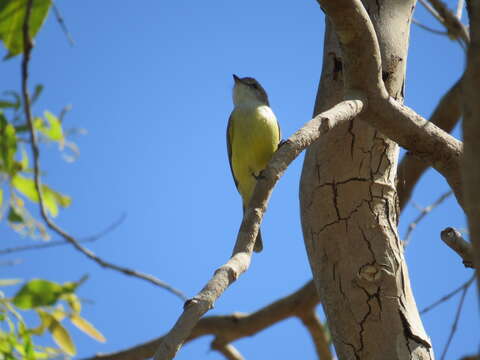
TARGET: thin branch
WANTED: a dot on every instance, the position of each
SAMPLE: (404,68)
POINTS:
(429,29)
(446,115)
(431,10)
(443,299)
(455,241)
(50,244)
(242,252)
(227,350)
(318,334)
(62,24)
(455,322)
(451,22)
(425,211)
(27,48)
(235,326)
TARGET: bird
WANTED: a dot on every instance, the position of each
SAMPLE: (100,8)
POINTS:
(253,135)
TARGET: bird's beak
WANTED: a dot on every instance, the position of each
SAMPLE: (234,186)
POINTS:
(236,78)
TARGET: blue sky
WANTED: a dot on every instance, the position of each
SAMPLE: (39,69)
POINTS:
(151,82)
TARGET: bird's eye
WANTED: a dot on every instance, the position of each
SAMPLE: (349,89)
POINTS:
(255,86)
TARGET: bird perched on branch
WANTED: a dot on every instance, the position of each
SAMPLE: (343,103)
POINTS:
(253,135)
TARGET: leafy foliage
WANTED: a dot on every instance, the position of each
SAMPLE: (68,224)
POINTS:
(12,15)
(53,303)
(15,171)
(46,299)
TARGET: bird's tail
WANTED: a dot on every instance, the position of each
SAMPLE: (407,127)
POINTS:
(258,243)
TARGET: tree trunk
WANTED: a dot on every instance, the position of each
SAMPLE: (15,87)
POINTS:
(349,210)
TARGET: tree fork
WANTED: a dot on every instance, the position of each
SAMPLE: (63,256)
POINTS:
(349,204)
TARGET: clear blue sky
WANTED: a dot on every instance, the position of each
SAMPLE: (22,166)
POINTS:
(151,82)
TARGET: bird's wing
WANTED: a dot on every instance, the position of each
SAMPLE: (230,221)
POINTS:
(229,146)
(279,133)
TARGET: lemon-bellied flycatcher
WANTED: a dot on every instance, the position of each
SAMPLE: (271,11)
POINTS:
(253,135)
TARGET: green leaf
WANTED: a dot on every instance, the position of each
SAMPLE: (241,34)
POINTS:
(51,198)
(24,162)
(36,93)
(14,94)
(7,104)
(38,292)
(87,327)
(14,216)
(12,15)
(74,303)
(61,337)
(1,197)
(9,282)
(53,131)
(8,145)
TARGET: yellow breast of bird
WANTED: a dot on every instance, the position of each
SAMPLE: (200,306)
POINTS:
(254,138)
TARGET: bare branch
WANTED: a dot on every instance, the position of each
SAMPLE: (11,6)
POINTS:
(445,116)
(318,333)
(449,295)
(242,252)
(452,23)
(228,350)
(457,243)
(50,244)
(429,29)
(27,48)
(62,24)
(425,211)
(455,322)
(401,124)
(235,326)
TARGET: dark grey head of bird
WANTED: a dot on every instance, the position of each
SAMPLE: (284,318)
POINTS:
(254,85)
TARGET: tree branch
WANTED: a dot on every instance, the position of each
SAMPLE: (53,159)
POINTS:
(27,48)
(318,333)
(452,23)
(235,326)
(401,124)
(242,252)
(227,350)
(445,116)
(425,211)
(50,244)
(457,243)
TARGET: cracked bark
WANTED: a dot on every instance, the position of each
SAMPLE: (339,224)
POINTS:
(349,210)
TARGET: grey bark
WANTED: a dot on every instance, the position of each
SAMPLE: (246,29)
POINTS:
(349,210)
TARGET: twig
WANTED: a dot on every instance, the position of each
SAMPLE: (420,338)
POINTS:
(50,244)
(455,322)
(27,48)
(448,296)
(424,213)
(227,350)
(425,27)
(62,24)
(455,241)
